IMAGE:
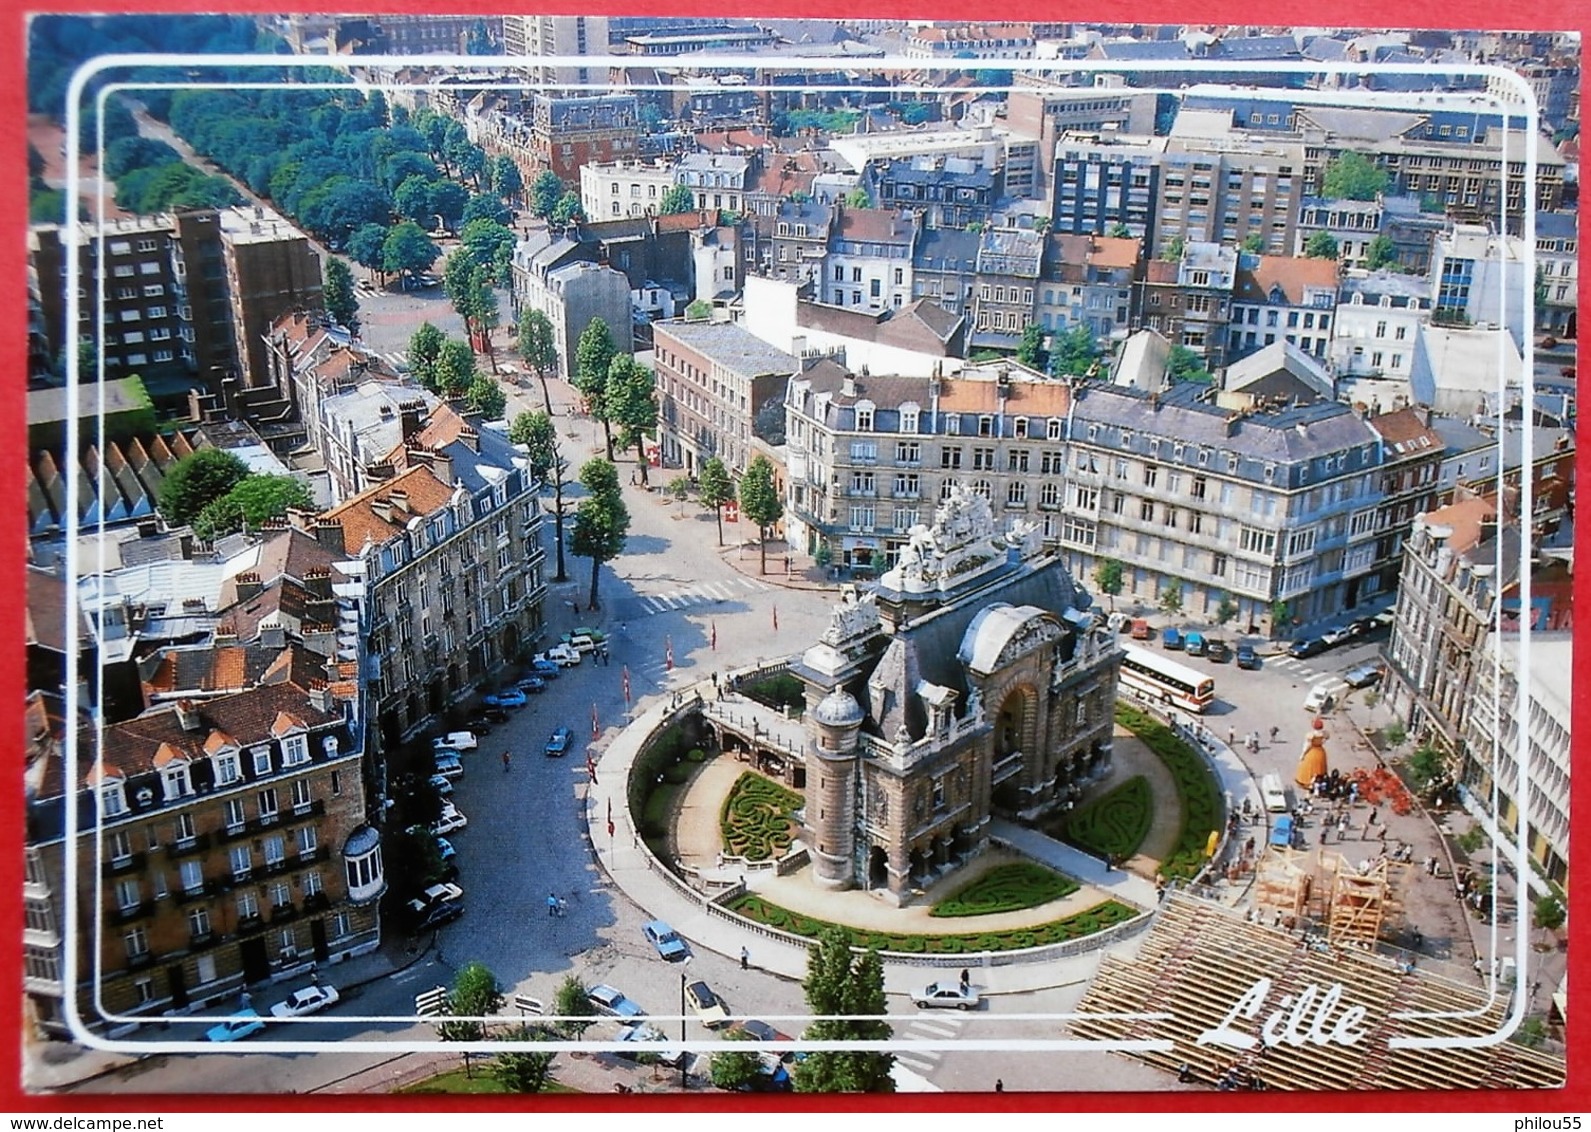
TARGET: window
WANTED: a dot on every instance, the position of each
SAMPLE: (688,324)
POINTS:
(128,897)
(983,459)
(275,851)
(302,795)
(1049,494)
(864,419)
(908,420)
(307,841)
(281,895)
(137,944)
(312,884)
(863,517)
(295,750)
(1052,429)
(908,484)
(192,875)
(183,828)
(1017,460)
(1151,475)
(227,771)
(241,858)
(262,760)
(1253,539)
(235,818)
(908,452)
(175,781)
(248,905)
(113,799)
(268,807)
(1016,494)
(121,846)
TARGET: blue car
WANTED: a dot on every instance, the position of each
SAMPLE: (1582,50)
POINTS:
(546,669)
(507,698)
(1171,638)
(558,745)
(531,684)
(245,1022)
(667,941)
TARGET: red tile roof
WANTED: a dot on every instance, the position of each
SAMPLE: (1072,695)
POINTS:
(374,516)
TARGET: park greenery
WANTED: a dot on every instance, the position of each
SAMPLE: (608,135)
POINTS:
(755,819)
(1197,795)
(197,480)
(1352,176)
(1115,823)
(250,503)
(1006,888)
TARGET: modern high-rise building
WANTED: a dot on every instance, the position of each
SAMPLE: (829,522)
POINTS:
(528,36)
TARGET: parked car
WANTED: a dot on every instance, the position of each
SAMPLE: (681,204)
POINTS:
(1141,630)
(558,745)
(1247,657)
(561,655)
(449,765)
(581,643)
(1193,644)
(1363,675)
(442,784)
(455,741)
(507,698)
(481,723)
(708,1006)
(534,684)
(759,1031)
(245,1022)
(305,1001)
(947,995)
(442,894)
(597,635)
(1323,696)
(1216,650)
(668,943)
(449,820)
(1171,638)
(1334,637)
(646,1039)
(423,917)
(546,669)
(1118,622)
(612,1002)
(1306,647)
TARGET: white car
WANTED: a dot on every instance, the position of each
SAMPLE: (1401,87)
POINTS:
(448,766)
(561,655)
(439,783)
(957,995)
(442,894)
(455,741)
(450,820)
(306,1001)
(708,1006)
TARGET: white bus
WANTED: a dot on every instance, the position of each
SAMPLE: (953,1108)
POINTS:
(1166,680)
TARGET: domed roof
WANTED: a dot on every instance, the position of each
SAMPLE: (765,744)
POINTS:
(838,709)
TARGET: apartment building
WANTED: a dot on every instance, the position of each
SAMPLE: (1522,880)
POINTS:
(221,843)
(718,181)
(452,569)
(949,43)
(1044,110)
(525,37)
(791,243)
(565,133)
(1088,281)
(1479,279)
(945,267)
(1222,184)
(716,382)
(870,456)
(271,269)
(1008,266)
(869,261)
(1103,186)
(1189,301)
(949,192)
(1558,263)
(1378,319)
(1282,299)
(610,190)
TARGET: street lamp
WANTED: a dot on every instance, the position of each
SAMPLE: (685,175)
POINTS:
(684,1058)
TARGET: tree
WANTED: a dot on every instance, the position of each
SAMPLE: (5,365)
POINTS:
(475,994)
(544,193)
(699,310)
(632,405)
(715,490)
(254,500)
(483,206)
(1225,610)
(1073,352)
(1253,243)
(524,1071)
(769,423)
(601,521)
(198,479)
(1281,617)
(1171,598)
(760,501)
(1352,176)
(1322,245)
(1173,249)
(1119,231)
(677,199)
(1549,914)
(1108,577)
(538,346)
(593,359)
(1426,766)
(408,250)
(1381,252)
(680,488)
(572,1003)
(487,398)
(735,1068)
(367,247)
(1030,350)
(858,198)
(539,435)
(1186,365)
(852,987)
(567,210)
(425,347)
(455,368)
(506,180)
(341,302)
(491,245)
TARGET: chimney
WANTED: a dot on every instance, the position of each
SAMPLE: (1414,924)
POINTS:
(225,634)
(1561,444)
(329,533)
(413,417)
(188,715)
(273,636)
(400,499)
(249,585)
(317,580)
(382,508)
(320,696)
(848,386)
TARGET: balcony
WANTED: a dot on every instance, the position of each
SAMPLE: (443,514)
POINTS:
(120,866)
(315,808)
(128,913)
(308,856)
(317,902)
(188,846)
(284,913)
(203,941)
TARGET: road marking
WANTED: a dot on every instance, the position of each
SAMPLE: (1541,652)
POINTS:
(935,1029)
(723,591)
(653,605)
(753,584)
(406,976)
(920,1061)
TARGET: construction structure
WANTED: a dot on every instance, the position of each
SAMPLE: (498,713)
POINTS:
(1352,905)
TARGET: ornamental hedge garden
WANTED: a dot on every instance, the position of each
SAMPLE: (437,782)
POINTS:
(1006,888)
(1196,787)
(755,819)
(1087,922)
(1115,823)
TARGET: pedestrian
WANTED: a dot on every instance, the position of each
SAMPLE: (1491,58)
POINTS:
(563,907)
(576,604)
(966,978)
(506,760)
(1231,736)
(715,681)
(745,958)
(1275,731)
(1372,815)
(552,905)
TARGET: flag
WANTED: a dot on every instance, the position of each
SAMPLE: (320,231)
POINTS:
(624,675)
(610,817)
(591,770)
(668,654)
(776,619)
(596,728)
(714,638)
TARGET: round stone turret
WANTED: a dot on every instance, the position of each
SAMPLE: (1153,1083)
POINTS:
(836,722)
(838,709)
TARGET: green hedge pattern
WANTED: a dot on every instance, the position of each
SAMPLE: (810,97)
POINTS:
(1076,926)
(1115,823)
(755,819)
(1006,888)
(1196,788)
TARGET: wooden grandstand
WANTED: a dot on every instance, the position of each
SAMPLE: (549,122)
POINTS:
(1200,958)
(1297,888)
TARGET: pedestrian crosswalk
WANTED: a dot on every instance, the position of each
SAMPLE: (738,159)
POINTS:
(926,1028)
(1296,667)
(397,359)
(699,594)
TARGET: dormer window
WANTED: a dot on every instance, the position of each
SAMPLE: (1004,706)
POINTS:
(1019,428)
(228,772)
(909,415)
(112,799)
(262,760)
(864,416)
(295,750)
(176,781)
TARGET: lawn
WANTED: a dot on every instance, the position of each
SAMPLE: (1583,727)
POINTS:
(454,1081)
(1115,823)
(1076,926)
(755,819)
(1196,787)
(1006,888)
